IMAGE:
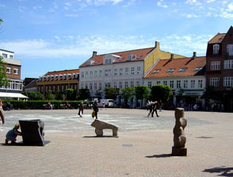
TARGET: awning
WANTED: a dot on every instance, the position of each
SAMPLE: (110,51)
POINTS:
(12,95)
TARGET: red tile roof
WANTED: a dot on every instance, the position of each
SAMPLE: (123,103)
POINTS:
(190,64)
(62,72)
(217,38)
(139,55)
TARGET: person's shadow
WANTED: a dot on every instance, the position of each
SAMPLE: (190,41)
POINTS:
(159,156)
(225,171)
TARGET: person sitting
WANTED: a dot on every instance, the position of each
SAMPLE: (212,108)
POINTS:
(12,134)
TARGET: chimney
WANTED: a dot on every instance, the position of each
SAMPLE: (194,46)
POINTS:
(172,56)
(94,54)
(194,55)
(157,45)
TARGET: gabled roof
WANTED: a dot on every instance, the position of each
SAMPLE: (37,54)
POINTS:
(191,67)
(139,55)
(217,38)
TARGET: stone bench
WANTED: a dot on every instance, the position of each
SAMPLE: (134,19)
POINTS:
(100,125)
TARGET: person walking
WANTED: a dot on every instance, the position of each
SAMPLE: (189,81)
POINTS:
(95,110)
(80,109)
(155,104)
(1,112)
(150,108)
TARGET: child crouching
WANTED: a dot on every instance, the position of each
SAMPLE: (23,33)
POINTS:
(12,134)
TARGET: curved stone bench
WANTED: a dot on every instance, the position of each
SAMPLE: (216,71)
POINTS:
(100,125)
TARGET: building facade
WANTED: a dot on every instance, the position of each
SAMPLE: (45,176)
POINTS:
(13,74)
(119,69)
(58,80)
(219,70)
(185,76)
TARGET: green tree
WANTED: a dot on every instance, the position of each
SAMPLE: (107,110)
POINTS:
(3,78)
(160,92)
(39,96)
(142,92)
(70,94)
(111,92)
(83,94)
(49,95)
(127,93)
(30,95)
(58,95)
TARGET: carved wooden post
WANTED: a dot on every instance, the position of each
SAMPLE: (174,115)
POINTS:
(179,137)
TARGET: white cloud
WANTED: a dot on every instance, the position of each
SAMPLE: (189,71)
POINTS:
(161,4)
(82,46)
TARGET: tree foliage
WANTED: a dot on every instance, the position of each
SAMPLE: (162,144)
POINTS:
(70,94)
(83,94)
(48,95)
(111,92)
(160,92)
(127,93)
(142,92)
(3,78)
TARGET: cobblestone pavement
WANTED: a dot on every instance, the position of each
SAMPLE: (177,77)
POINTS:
(143,147)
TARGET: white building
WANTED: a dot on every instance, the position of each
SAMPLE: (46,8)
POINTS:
(186,77)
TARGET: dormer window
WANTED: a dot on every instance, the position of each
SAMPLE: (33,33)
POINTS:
(198,68)
(216,48)
(156,71)
(171,70)
(181,70)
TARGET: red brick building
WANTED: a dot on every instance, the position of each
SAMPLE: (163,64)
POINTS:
(58,80)
(219,70)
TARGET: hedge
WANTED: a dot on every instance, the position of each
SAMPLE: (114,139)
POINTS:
(42,104)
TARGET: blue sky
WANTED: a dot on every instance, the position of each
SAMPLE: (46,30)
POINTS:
(52,35)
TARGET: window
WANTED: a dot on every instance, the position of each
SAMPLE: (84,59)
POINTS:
(181,70)
(172,84)
(164,82)
(215,65)
(82,74)
(126,84)
(96,74)
(138,83)
(138,69)
(227,81)
(91,74)
(100,73)
(170,70)
(90,86)
(185,83)
(149,84)
(121,72)
(11,57)
(132,84)
(192,83)
(100,86)
(230,49)
(8,70)
(120,85)
(132,70)
(228,64)
(178,84)
(86,75)
(200,84)
(115,72)
(158,82)
(95,86)
(115,84)
(126,71)
(216,48)
(214,81)
(156,71)
(16,71)
(4,55)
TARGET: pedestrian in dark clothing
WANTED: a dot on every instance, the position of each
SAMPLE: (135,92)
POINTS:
(95,109)
(155,104)
(80,109)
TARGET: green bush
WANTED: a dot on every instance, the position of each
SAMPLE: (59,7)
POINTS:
(42,104)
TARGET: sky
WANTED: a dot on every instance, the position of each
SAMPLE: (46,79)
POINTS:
(53,35)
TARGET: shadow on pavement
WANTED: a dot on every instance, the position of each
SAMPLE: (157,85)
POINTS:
(225,171)
(105,136)
(159,156)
